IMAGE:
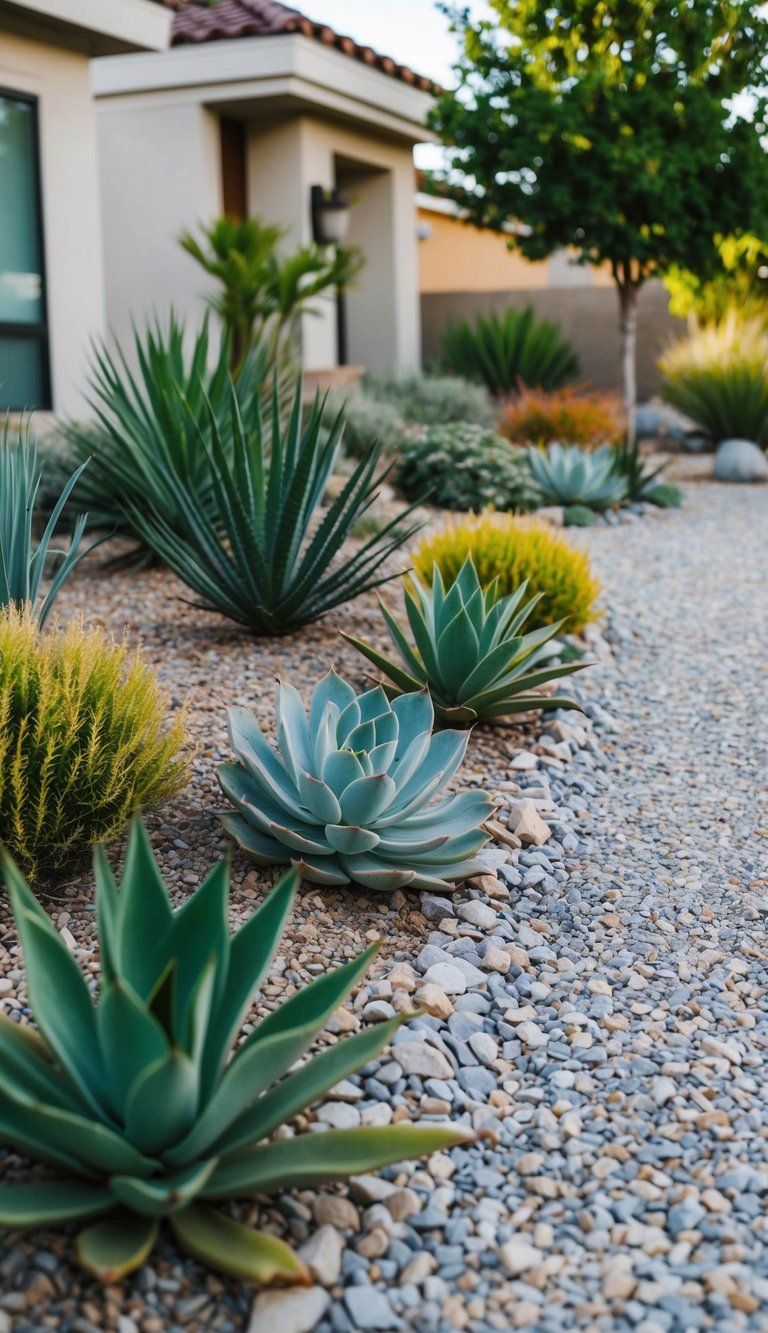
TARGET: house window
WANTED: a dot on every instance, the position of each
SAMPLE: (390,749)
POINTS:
(24,369)
(234,185)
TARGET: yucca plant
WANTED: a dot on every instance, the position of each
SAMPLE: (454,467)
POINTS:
(347,796)
(569,475)
(274,560)
(152,411)
(22,561)
(470,651)
(135,1101)
(84,741)
(505,352)
(719,378)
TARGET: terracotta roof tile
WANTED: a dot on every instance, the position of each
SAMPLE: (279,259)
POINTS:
(199,21)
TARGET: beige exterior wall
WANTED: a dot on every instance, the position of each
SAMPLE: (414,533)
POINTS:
(59,78)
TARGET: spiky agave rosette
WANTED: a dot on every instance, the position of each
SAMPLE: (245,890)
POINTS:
(134,1099)
(347,797)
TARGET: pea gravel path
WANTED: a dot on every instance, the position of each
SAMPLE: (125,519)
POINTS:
(608,1028)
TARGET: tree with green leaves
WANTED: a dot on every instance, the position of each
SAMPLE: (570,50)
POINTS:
(741,284)
(629,132)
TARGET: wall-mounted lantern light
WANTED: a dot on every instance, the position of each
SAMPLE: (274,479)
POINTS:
(330,216)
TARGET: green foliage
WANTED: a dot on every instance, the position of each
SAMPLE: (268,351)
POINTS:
(22,563)
(433,400)
(262,294)
(568,475)
(740,284)
(515,551)
(505,352)
(579,516)
(665,494)
(639,478)
(470,651)
(574,415)
(135,1101)
(83,741)
(368,422)
(463,466)
(719,377)
(274,560)
(154,426)
(346,798)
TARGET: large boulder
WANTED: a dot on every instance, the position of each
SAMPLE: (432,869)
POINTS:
(740,460)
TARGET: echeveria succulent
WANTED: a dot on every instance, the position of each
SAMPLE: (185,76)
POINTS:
(135,1101)
(347,796)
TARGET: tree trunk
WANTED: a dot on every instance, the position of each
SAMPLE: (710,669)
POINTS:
(628,292)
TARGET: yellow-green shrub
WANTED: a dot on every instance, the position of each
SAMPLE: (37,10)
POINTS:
(83,741)
(514,549)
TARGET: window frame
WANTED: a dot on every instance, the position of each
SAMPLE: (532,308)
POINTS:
(40,331)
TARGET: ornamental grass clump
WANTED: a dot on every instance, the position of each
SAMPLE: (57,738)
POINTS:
(719,378)
(470,651)
(515,551)
(84,741)
(346,798)
(138,1102)
(576,415)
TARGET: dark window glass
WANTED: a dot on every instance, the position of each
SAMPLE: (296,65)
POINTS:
(24,378)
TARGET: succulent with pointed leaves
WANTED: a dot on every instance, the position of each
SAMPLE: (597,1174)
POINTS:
(135,1100)
(347,797)
(569,475)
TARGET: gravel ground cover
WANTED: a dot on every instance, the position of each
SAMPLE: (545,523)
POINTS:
(596,1003)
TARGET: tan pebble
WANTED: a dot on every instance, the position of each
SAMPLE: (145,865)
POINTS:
(374,1245)
(526,823)
(441,1166)
(336,1211)
(496,960)
(525,1315)
(715,1202)
(418,1269)
(744,1301)
(434,999)
(713,1119)
(530,1163)
(403,1204)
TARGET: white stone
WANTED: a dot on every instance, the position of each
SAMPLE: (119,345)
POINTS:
(380,1114)
(298,1310)
(518,1256)
(478,914)
(449,978)
(526,823)
(724,1050)
(416,1057)
(532,1034)
(740,460)
(484,1047)
(322,1255)
(339,1115)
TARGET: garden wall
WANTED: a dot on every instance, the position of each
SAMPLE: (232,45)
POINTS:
(588,316)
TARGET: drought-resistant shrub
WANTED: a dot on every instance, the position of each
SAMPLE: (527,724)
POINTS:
(136,1101)
(153,425)
(434,400)
(22,561)
(346,798)
(719,378)
(463,466)
(368,422)
(576,415)
(504,352)
(470,651)
(274,559)
(515,551)
(83,741)
(568,475)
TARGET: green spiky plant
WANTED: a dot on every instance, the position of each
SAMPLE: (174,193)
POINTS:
(273,560)
(135,1101)
(569,475)
(470,651)
(347,796)
(505,352)
(22,563)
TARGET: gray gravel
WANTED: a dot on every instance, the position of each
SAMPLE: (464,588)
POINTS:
(597,1011)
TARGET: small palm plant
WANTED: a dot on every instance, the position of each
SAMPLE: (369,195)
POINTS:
(22,563)
(470,651)
(135,1100)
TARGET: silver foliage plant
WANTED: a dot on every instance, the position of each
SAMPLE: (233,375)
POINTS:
(348,795)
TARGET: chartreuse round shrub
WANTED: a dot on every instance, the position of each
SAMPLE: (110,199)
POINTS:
(84,741)
(515,551)
(137,1100)
(347,796)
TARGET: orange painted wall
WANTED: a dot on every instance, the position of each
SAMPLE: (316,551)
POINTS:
(456,257)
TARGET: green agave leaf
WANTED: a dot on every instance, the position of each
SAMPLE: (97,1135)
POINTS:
(200,932)
(112,1249)
(90,1142)
(229,1247)
(44,1203)
(144,914)
(262,849)
(161,1196)
(162,1103)
(26,1062)
(313,1159)
(395,673)
(131,1038)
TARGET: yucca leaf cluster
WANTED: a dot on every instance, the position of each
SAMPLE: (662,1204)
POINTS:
(505,352)
(569,475)
(23,562)
(135,1101)
(470,651)
(272,559)
(84,741)
(348,795)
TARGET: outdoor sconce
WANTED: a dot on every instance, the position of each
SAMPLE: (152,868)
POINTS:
(330,216)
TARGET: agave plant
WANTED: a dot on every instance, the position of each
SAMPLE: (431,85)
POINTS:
(346,799)
(134,1100)
(469,650)
(569,475)
(22,563)
(270,561)
(505,352)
